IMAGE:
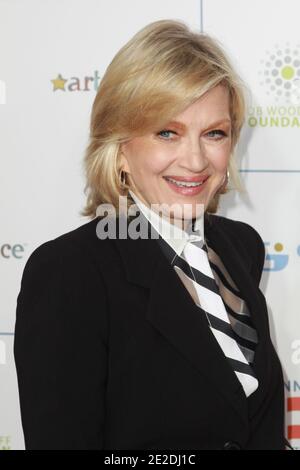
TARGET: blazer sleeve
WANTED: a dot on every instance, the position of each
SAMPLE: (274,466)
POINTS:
(60,348)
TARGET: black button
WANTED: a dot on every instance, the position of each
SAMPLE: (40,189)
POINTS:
(231,445)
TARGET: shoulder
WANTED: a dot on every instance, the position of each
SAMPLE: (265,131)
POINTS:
(71,255)
(237,229)
(245,238)
(81,242)
(63,280)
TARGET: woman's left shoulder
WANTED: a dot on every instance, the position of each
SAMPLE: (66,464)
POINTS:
(246,237)
(238,228)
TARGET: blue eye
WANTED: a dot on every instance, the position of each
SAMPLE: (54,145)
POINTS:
(165,131)
(216,132)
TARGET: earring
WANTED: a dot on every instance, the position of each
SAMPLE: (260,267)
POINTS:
(122,178)
(223,188)
(226,177)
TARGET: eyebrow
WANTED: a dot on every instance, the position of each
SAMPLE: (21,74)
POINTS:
(181,125)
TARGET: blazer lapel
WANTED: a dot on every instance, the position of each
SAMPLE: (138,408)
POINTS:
(172,311)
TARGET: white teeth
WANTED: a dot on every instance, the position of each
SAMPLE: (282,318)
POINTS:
(184,184)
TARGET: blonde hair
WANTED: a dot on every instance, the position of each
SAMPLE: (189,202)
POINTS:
(160,71)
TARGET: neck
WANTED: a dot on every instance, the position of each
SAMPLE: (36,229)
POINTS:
(181,223)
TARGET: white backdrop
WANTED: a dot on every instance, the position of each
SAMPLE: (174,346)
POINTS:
(44,131)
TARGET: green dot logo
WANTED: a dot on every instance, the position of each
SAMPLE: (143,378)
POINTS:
(280,73)
(288,72)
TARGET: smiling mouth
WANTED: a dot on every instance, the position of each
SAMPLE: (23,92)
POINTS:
(187,182)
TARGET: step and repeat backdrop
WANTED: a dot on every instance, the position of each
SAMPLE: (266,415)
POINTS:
(52,56)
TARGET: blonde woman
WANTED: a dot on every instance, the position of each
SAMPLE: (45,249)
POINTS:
(159,341)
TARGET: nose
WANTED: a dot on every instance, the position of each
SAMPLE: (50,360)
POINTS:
(193,157)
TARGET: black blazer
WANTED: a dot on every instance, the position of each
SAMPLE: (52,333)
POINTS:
(111,351)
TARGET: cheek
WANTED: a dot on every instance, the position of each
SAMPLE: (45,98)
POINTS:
(219,157)
(154,162)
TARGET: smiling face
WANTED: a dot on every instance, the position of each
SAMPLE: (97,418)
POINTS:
(193,147)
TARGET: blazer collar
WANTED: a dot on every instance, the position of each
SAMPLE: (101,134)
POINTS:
(174,314)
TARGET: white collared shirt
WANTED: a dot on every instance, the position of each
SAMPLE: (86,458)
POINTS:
(171,233)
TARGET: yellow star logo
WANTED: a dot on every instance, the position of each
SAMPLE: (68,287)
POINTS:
(59,83)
